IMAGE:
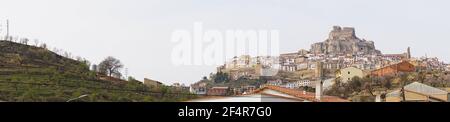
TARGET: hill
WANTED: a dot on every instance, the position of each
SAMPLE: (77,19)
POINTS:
(35,74)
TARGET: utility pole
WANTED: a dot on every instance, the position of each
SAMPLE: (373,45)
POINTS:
(126,73)
(7,30)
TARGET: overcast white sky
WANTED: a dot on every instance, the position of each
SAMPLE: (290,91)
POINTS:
(138,32)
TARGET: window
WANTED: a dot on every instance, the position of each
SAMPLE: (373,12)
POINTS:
(349,72)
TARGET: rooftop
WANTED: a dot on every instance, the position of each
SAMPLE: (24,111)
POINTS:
(420,88)
(301,94)
(425,89)
(219,87)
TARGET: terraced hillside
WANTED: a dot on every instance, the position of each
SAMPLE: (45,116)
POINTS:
(34,74)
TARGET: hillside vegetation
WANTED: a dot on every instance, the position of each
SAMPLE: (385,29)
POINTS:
(35,74)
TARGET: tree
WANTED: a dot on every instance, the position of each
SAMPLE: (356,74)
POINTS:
(338,82)
(164,90)
(43,45)
(421,76)
(67,54)
(221,77)
(110,66)
(36,42)
(355,84)
(308,89)
(339,89)
(367,84)
(132,79)
(386,84)
(23,41)
(403,82)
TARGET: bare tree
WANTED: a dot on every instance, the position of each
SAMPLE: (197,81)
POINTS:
(23,41)
(15,39)
(78,58)
(43,45)
(36,42)
(87,62)
(67,54)
(56,50)
(403,83)
(110,66)
(10,38)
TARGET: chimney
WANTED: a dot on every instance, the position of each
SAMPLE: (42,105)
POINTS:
(319,89)
(319,82)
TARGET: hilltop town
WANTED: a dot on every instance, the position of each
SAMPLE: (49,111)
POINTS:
(343,66)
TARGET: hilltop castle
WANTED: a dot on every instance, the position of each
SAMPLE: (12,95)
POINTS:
(344,41)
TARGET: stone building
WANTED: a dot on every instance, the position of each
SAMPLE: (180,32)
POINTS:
(152,83)
(346,74)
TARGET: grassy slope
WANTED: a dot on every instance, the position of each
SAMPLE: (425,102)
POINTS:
(29,73)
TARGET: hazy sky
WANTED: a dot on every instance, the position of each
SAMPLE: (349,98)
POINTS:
(138,32)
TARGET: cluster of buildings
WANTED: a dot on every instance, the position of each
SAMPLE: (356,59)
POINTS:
(282,90)
(250,67)
(276,90)
(342,56)
(273,92)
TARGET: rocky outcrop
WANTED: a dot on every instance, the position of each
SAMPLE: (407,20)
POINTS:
(344,41)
